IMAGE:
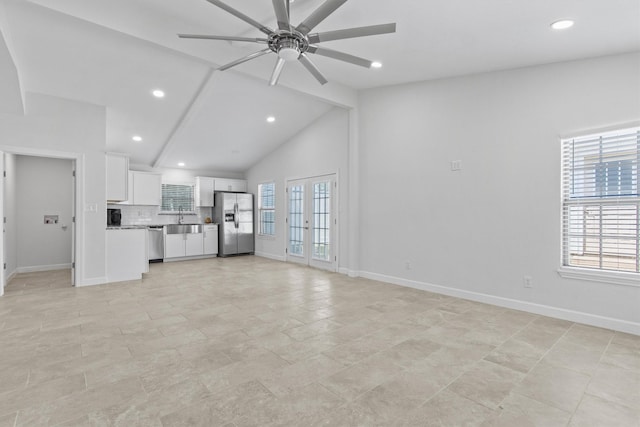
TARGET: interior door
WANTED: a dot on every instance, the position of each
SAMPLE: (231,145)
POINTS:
(73,225)
(3,245)
(311,222)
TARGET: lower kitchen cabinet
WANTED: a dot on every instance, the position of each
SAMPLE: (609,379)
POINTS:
(127,254)
(210,237)
(181,245)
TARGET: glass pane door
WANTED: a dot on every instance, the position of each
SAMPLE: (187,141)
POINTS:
(296,220)
(311,222)
(321,220)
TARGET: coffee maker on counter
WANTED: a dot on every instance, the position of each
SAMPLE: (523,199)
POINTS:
(114,217)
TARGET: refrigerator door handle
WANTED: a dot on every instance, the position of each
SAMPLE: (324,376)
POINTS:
(236,215)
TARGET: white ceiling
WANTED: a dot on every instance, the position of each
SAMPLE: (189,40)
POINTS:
(115,52)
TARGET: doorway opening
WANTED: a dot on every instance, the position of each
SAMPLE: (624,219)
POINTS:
(39,210)
(312,222)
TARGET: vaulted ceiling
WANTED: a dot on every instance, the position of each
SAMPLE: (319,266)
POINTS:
(116,52)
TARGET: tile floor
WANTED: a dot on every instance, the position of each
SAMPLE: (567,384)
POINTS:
(248,341)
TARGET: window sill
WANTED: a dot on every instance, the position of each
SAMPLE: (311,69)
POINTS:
(610,277)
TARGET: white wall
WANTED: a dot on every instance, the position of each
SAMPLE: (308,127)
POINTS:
(481,229)
(43,187)
(56,127)
(321,148)
(10,242)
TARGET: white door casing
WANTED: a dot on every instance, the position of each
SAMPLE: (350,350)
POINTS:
(312,221)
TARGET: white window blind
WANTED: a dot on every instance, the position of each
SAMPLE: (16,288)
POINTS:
(601,203)
(267,208)
(176,196)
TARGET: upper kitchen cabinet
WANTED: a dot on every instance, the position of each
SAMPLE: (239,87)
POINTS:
(117,177)
(145,188)
(233,185)
(204,191)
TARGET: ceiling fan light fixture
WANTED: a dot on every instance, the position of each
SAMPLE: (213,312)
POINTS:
(376,64)
(289,53)
(288,49)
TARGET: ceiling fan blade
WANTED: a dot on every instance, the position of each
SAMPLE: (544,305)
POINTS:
(312,68)
(276,72)
(228,38)
(319,15)
(281,8)
(349,33)
(242,16)
(329,53)
(245,59)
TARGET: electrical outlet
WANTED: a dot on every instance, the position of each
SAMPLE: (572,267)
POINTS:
(407,265)
(527,281)
(456,165)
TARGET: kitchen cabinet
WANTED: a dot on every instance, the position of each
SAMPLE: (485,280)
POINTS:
(210,239)
(127,254)
(181,245)
(204,191)
(234,185)
(117,177)
(145,188)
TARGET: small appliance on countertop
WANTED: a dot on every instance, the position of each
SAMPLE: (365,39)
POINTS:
(114,217)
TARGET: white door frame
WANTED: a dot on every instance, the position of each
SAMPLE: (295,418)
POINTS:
(77,211)
(335,244)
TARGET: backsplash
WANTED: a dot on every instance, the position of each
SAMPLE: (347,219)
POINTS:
(150,215)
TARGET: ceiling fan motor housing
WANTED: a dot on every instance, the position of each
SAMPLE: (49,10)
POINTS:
(289,45)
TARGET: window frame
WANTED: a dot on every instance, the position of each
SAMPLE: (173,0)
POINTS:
(598,274)
(192,211)
(262,209)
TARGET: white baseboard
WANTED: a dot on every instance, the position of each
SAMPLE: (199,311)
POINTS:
(36,268)
(544,310)
(92,281)
(270,256)
(10,276)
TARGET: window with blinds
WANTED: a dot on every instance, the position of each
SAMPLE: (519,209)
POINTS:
(267,208)
(176,197)
(601,203)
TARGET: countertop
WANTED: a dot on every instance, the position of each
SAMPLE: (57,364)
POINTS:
(136,227)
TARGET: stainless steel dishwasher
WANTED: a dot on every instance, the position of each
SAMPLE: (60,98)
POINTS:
(156,244)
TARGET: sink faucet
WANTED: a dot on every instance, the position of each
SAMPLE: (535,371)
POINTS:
(180,216)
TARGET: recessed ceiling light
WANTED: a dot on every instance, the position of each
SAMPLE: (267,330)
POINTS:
(181,164)
(563,24)
(271,119)
(158,93)
(136,138)
(376,64)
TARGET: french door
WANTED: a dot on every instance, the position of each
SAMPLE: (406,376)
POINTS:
(311,222)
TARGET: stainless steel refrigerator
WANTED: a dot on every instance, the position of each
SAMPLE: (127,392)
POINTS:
(234,214)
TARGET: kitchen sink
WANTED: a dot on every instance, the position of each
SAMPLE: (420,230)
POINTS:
(183,228)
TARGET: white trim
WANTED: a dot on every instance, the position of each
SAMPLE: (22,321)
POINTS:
(189,258)
(544,310)
(92,281)
(611,277)
(346,271)
(270,256)
(604,129)
(35,268)
(78,212)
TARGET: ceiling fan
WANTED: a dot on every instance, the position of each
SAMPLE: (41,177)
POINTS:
(294,43)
